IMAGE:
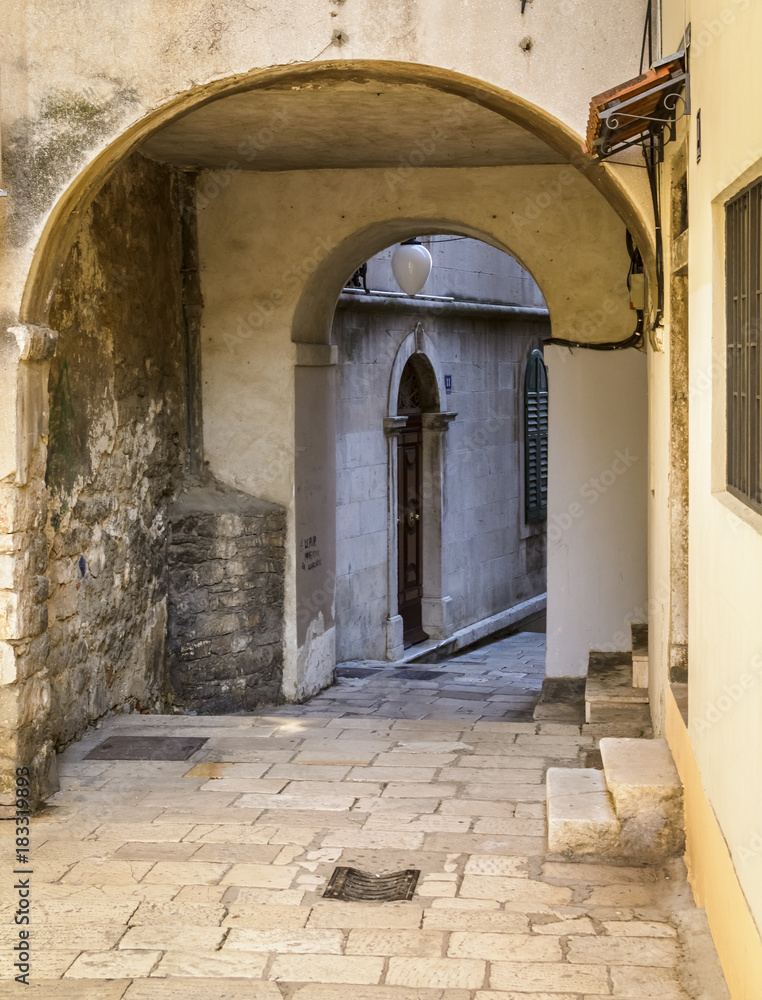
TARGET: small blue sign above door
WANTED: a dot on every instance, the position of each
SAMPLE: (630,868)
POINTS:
(448,384)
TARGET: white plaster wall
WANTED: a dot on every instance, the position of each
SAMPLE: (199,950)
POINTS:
(247,373)
(597,544)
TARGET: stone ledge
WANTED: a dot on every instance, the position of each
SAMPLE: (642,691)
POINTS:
(609,689)
(581,818)
(218,498)
(648,795)
(35,343)
(639,655)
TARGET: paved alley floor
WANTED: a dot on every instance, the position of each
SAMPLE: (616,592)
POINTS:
(202,879)
(502,680)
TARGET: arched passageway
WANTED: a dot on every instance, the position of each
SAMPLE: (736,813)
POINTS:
(256,250)
(578,521)
(433,546)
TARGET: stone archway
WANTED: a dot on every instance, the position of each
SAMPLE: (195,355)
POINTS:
(294,282)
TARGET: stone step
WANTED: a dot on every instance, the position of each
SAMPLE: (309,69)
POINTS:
(609,694)
(581,817)
(639,655)
(648,796)
(562,699)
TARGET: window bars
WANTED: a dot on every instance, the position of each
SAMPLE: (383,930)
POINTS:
(744,364)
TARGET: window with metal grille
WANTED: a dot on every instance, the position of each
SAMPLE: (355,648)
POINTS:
(744,372)
(536,438)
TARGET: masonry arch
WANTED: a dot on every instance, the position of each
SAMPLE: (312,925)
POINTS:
(274,247)
(419,343)
(579,268)
(47,255)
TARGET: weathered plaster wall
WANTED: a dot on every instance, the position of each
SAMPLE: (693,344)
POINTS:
(658,535)
(115,451)
(492,559)
(77,75)
(668,453)
(597,541)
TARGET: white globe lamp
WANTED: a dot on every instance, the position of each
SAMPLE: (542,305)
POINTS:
(411,266)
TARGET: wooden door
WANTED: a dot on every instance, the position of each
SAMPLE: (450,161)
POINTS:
(410,532)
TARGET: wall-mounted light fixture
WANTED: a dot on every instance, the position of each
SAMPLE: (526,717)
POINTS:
(411,266)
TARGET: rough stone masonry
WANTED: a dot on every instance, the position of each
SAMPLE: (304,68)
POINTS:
(226,572)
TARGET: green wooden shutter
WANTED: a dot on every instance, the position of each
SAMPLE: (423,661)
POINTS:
(536,438)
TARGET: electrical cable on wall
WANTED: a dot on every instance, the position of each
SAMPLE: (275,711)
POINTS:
(636,338)
(652,155)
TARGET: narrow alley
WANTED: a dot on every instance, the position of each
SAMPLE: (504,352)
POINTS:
(203,878)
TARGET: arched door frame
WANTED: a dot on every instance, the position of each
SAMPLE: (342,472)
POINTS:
(436,604)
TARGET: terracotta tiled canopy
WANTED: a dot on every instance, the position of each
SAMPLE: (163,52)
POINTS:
(621,116)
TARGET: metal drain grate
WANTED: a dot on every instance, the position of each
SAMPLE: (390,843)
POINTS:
(351,884)
(147,748)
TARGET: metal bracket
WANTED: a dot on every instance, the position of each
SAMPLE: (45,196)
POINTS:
(615,117)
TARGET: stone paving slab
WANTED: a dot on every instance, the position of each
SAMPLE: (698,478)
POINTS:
(202,989)
(57,989)
(205,880)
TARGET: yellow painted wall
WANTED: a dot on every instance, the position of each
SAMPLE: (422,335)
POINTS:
(721,755)
(712,875)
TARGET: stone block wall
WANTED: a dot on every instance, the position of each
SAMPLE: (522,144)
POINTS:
(494,559)
(115,452)
(226,572)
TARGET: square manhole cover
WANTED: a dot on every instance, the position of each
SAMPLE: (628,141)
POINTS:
(147,748)
(351,884)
